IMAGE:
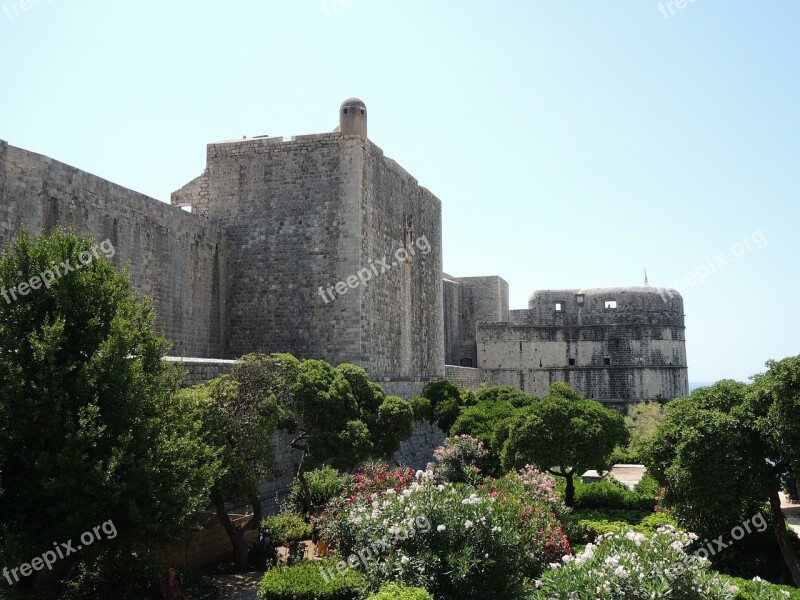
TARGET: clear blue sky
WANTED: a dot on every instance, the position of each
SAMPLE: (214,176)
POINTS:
(572,143)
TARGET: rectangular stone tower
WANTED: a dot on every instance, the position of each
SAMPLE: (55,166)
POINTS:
(335,252)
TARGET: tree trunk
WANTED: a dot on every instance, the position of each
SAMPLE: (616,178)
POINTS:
(569,494)
(784,542)
(236,534)
(301,477)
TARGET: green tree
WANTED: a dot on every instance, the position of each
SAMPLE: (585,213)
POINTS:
(505,393)
(642,421)
(721,453)
(240,413)
(563,436)
(446,402)
(483,422)
(333,424)
(91,429)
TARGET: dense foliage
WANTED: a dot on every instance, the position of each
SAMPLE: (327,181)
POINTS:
(634,566)
(455,541)
(306,581)
(721,455)
(91,430)
(564,436)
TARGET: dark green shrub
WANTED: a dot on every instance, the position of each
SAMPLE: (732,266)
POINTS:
(122,575)
(483,421)
(611,494)
(310,581)
(505,393)
(262,554)
(421,407)
(445,400)
(396,591)
(287,527)
(752,590)
(324,484)
(648,486)
(584,526)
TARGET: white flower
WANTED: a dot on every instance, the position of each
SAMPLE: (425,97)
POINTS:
(468,524)
(441,528)
(404,559)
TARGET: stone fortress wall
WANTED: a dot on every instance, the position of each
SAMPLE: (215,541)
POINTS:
(268,260)
(615,345)
(305,214)
(178,259)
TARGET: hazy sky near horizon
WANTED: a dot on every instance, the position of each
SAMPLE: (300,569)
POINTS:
(572,144)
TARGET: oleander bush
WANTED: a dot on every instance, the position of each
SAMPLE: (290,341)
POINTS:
(634,566)
(455,541)
(307,581)
(460,459)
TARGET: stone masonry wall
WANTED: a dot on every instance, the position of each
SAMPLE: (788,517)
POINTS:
(634,351)
(464,377)
(469,301)
(178,259)
(308,214)
(401,310)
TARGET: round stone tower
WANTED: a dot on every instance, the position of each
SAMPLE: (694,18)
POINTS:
(353,117)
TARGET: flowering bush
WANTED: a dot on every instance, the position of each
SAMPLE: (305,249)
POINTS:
(377,478)
(531,486)
(453,540)
(633,566)
(369,483)
(459,459)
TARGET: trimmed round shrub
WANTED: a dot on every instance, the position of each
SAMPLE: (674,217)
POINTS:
(421,407)
(396,591)
(324,484)
(309,581)
(287,527)
(612,494)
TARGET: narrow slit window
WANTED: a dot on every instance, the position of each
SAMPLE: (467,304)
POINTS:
(607,361)
(610,304)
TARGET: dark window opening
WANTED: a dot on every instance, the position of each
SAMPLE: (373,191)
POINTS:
(466,362)
(345,111)
(362,111)
(607,361)
(571,362)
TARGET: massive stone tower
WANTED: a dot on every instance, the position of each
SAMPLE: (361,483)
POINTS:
(316,224)
(616,345)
